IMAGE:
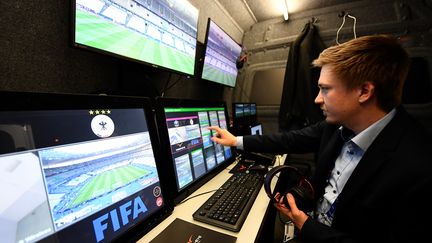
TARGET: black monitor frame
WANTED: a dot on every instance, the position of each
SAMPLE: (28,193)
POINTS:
(243,122)
(180,194)
(153,64)
(30,101)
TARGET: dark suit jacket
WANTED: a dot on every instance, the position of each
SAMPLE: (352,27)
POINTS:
(297,108)
(385,199)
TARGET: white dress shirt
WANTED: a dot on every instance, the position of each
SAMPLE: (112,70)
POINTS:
(350,155)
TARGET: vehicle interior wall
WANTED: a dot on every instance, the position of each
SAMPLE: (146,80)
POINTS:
(37,55)
(268,42)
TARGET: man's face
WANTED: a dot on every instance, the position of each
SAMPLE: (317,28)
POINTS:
(338,103)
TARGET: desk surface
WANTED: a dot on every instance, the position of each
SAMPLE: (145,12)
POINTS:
(184,211)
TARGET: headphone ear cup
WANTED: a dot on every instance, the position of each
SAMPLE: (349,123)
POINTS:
(303,198)
(303,195)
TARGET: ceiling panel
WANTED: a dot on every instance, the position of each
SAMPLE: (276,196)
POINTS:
(248,12)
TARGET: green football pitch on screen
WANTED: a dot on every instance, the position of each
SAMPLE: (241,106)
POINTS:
(216,75)
(107,182)
(98,33)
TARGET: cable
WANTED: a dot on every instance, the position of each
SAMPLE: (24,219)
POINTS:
(343,22)
(179,78)
(186,199)
(166,85)
(354,25)
(172,85)
(243,92)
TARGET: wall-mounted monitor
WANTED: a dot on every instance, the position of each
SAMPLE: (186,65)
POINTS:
(220,56)
(78,168)
(161,33)
(192,157)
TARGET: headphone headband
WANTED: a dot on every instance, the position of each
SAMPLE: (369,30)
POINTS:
(303,195)
(269,176)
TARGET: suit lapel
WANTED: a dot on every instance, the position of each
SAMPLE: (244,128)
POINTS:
(326,160)
(374,158)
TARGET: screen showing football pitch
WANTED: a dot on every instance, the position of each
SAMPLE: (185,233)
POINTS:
(161,33)
(72,171)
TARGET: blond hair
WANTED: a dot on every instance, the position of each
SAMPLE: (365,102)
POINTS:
(379,59)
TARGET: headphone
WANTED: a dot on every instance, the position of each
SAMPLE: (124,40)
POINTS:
(303,192)
(242,59)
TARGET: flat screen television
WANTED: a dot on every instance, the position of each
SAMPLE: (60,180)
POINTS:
(220,56)
(161,33)
(78,168)
(192,157)
(244,112)
(244,116)
(256,129)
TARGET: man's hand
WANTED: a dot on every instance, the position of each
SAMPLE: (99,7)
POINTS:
(297,216)
(223,137)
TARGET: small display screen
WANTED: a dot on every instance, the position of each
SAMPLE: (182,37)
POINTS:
(256,130)
(193,152)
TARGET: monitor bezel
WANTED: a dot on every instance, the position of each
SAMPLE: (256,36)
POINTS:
(241,125)
(206,39)
(162,103)
(80,46)
(32,101)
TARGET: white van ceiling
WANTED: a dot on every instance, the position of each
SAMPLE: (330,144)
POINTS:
(248,12)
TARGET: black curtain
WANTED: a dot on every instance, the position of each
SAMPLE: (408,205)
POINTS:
(297,108)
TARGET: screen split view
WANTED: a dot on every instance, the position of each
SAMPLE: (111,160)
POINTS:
(245,119)
(194,154)
(101,164)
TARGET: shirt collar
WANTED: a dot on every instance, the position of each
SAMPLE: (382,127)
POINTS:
(365,138)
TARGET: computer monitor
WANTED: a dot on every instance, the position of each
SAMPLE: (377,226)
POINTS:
(245,116)
(161,33)
(244,109)
(256,129)
(238,110)
(247,109)
(221,54)
(193,158)
(253,113)
(253,110)
(78,168)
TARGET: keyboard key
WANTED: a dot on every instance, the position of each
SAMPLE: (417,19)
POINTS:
(229,206)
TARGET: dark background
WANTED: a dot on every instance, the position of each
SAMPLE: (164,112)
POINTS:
(37,55)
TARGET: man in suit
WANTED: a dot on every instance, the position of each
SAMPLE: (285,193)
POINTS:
(373,169)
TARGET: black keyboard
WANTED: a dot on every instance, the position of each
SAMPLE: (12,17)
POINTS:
(229,206)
